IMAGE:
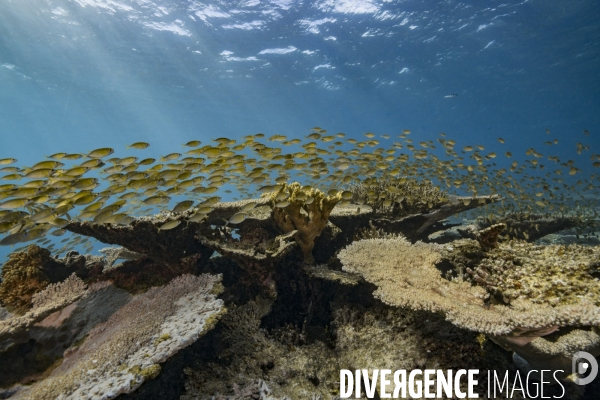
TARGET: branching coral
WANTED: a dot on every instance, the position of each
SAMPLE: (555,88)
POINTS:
(307,212)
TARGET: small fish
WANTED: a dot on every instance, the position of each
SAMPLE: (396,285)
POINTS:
(14,203)
(170,157)
(147,161)
(193,143)
(183,206)
(153,200)
(347,195)
(169,225)
(247,207)
(236,218)
(14,239)
(451,95)
(211,201)
(138,145)
(100,153)
(281,196)
(5,161)
(73,157)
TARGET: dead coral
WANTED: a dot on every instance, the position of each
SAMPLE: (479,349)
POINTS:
(112,254)
(143,236)
(259,260)
(531,227)
(305,210)
(31,355)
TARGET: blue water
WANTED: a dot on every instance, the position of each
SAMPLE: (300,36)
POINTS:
(81,74)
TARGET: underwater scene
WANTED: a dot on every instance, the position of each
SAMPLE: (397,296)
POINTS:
(294,199)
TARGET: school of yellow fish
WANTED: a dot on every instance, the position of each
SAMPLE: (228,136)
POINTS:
(40,200)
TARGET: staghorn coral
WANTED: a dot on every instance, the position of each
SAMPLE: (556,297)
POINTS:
(120,354)
(308,219)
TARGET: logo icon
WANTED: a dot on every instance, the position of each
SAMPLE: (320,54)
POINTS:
(584,364)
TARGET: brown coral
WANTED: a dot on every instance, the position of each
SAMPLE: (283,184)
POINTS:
(309,219)
(22,277)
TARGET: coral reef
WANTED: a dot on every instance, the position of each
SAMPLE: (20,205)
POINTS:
(522,291)
(35,352)
(532,227)
(406,276)
(123,352)
(398,197)
(554,274)
(52,298)
(257,257)
(143,236)
(341,288)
